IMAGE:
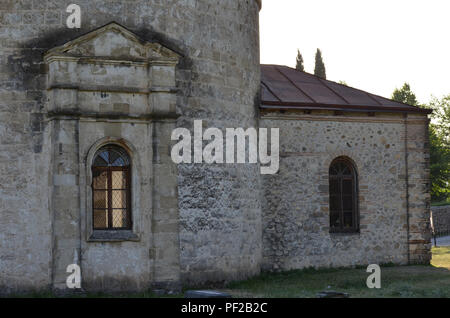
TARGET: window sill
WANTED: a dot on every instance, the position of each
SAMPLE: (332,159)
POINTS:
(113,236)
(345,233)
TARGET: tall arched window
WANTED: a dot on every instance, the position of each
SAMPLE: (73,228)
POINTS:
(111,189)
(344,214)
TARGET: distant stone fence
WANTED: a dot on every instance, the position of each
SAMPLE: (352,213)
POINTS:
(441,219)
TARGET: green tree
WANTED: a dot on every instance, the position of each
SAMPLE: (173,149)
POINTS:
(299,62)
(441,115)
(439,166)
(319,69)
(440,149)
(439,140)
(405,95)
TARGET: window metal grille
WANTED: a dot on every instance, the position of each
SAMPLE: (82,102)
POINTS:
(111,189)
(344,214)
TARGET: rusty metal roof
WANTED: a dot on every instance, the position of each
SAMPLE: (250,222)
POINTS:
(283,87)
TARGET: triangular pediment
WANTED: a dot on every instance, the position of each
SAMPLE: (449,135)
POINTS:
(114,42)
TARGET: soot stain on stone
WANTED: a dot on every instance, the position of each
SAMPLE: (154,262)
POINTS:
(28,73)
(185,65)
(28,70)
(148,35)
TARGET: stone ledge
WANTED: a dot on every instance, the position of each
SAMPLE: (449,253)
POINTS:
(108,115)
(114,89)
(113,236)
(345,234)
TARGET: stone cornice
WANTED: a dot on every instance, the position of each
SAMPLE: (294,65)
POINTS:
(363,119)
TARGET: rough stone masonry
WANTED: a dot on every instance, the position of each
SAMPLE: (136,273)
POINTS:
(136,70)
(440,216)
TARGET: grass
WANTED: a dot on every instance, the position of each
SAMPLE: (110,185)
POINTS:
(441,203)
(441,257)
(396,281)
(50,294)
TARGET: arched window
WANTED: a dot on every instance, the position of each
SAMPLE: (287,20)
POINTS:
(111,189)
(344,215)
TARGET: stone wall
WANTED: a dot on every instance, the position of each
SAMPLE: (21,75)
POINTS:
(418,178)
(296,208)
(220,210)
(218,80)
(441,218)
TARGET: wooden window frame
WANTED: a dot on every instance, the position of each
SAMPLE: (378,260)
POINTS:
(109,169)
(355,202)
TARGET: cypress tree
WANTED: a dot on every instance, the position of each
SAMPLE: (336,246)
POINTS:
(299,66)
(319,69)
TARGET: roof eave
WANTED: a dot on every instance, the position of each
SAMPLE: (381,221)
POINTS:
(348,108)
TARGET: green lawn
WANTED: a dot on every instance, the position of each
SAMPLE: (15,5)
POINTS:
(441,257)
(442,203)
(396,281)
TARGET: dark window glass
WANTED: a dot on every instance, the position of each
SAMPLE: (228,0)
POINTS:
(111,192)
(343,196)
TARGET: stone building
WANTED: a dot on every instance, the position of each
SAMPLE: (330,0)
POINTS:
(86,117)
(382,145)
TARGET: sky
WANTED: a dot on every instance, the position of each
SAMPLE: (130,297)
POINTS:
(375,46)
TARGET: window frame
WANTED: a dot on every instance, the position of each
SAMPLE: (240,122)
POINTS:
(355,197)
(128,169)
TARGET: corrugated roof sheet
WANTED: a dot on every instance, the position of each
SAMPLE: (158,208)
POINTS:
(283,87)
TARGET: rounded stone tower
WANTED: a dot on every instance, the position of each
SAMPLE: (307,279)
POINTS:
(217,80)
(220,212)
